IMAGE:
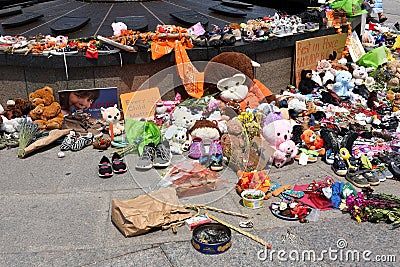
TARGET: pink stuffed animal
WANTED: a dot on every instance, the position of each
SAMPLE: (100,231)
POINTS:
(278,134)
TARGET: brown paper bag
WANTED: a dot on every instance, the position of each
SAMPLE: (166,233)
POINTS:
(53,136)
(140,215)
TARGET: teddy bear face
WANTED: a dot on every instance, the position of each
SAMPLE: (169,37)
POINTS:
(309,136)
(42,96)
(111,114)
(183,117)
(180,136)
(233,88)
(343,76)
(277,132)
(289,148)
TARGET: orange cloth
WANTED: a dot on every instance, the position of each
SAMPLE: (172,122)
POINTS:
(257,93)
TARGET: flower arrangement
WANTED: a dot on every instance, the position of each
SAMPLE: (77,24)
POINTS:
(374,207)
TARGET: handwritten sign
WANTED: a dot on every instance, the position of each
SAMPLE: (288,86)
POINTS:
(140,104)
(356,49)
(309,51)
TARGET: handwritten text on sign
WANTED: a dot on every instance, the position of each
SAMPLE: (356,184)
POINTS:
(309,51)
(140,104)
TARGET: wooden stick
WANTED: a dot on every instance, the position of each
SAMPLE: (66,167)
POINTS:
(240,231)
(197,207)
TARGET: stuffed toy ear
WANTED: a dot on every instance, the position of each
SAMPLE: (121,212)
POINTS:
(312,128)
(227,83)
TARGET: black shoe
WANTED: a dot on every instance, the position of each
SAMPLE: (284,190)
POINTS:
(348,140)
(357,179)
(371,178)
(118,164)
(105,170)
(163,155)
(339,166)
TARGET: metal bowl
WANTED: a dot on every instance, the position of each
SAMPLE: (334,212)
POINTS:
(211,238)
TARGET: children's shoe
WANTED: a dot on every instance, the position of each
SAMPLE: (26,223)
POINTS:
(118,164)
(82,142)
(105,170)
(145,161)
(196,148)
(215,148)
(339,166)
(357,178)
(371,178)
(68,141)
(329,157)
(163,155)
(216,162)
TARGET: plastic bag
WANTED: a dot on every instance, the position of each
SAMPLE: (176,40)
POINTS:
(142,133)
(375,57)
(352,7)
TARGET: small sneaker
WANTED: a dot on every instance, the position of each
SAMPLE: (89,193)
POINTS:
(371,178)
(163,155)
(357,178)
(68,141)
(105,170)
(118,164)
(196,148)
(216,162)
(339,166)
(82,142)
(215,147)
(329,157)
(145,161)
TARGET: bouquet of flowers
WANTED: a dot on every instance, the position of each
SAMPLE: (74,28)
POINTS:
(374,207)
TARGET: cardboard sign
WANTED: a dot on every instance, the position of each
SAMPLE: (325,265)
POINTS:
(140,104)
(88,100)
(356,49)
(309,51)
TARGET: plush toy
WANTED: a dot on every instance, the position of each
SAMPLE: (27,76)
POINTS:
(343,83)
(233,142)
(219,119)
(183,117)
(290,149)
(51,117)
(180,141)
(16,108)
(233,88)
(118,28)
(206,130)
(112,115)
(394,99)
(313,141)
(276,133)
(226,65)
(394,67)
(360,74)
(10,126)
(307,85)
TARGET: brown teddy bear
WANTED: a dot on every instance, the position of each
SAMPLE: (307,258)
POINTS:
(51,117)
(227,64)
(394,68)
(313,141)
(16,108)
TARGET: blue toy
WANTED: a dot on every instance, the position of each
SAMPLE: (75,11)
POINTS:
(343,83)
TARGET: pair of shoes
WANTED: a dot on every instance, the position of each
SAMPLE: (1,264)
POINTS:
(155,156)
(215,155)
(74,143)
(107,168)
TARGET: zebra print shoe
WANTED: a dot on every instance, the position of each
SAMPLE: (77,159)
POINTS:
(68,141)
(82,141)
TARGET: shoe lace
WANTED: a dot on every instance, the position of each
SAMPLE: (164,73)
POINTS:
(148,152)
(162,152)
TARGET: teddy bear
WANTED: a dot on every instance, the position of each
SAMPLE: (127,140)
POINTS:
(313,141)
(112,115)
(179,141)
(343,83)
(276,133)
(16,108)
(51,117)
(183,117)
(394,67)
(394,99)
(307,84)
(226,65)
(233,142)
(360,74)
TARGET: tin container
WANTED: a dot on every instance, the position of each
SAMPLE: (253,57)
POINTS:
(211,238)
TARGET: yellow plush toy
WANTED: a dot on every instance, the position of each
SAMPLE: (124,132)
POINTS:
(51,116)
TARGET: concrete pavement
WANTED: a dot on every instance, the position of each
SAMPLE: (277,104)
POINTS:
(56,212)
